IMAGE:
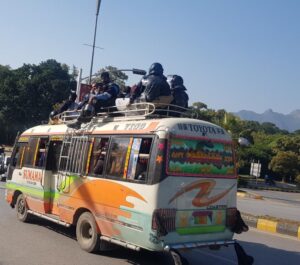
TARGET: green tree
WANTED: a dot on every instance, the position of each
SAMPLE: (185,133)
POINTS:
(28,93)
(288,143)
(286,164)
(270,128)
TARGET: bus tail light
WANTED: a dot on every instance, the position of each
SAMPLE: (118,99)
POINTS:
(231,217)
(163,221)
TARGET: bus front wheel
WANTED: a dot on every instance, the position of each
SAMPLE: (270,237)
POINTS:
(86,233)
(22,209)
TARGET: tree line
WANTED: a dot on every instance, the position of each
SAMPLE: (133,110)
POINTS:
(277,150)
(29,93)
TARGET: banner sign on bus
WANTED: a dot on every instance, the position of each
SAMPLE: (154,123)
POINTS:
(200,157)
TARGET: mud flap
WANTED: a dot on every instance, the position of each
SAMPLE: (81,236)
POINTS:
(240,225)
(243,258)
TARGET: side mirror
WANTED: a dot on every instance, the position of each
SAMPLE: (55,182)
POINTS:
(243,141)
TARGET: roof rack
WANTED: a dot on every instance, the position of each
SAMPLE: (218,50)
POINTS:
(135,111)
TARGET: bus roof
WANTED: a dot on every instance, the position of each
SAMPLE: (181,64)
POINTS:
(177,126)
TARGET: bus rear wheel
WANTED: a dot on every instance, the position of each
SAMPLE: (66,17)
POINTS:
(22,209)
(86,233)
(177,259)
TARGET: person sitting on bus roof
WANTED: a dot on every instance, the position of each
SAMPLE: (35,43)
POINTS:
(152,86)
(105,98)
(69,104)
(180,97)
(93,91)
(110,91)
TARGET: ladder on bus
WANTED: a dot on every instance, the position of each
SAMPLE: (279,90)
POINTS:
(74,148)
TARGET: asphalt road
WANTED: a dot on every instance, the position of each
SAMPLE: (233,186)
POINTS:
(276,204)
(42,242)
(288,197)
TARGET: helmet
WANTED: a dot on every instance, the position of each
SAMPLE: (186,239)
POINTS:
(156,69)
(176,81)
(104,75)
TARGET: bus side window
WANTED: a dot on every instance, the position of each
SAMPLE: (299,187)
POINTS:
(30,152)
(53,155)
(41,153)
(16,160)
(118,155)
(139,159)
(98,156)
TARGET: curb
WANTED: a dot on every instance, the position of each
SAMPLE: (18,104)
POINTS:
(270,188)
(273,225)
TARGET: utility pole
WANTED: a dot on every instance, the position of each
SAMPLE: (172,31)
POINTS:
(95,32)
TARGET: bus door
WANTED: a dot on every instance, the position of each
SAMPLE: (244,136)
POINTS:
(68,164)
(15,168)
(52,176)
(39,165)
(29,172)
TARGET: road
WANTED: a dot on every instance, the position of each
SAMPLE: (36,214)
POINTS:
(42,242)
(277,204)
(289,197)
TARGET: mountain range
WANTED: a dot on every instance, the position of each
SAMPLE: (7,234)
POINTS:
(289,122)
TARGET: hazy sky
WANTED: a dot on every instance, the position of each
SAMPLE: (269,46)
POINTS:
(232,54)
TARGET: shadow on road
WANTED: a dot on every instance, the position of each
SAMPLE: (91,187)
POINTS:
(262,253)
(142,257)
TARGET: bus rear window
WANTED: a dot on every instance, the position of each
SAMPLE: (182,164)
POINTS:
(200,157)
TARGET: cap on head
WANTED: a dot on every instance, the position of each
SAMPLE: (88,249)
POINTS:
(156,69)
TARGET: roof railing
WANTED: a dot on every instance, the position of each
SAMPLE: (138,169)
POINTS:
(142,110)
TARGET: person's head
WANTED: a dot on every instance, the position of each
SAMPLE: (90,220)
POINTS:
(176,80)
(73,95)
(105,77)
(127,89)
(156,69)
(93,87)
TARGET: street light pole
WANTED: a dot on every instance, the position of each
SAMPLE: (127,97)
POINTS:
(92,61)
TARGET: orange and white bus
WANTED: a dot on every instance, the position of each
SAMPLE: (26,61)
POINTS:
(142,182)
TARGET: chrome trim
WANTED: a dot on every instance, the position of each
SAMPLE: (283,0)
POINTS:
(190,245)
(49,218)
(120,243)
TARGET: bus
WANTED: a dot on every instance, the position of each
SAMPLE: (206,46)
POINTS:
(139,181)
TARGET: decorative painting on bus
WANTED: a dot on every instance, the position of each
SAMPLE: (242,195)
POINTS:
(200,157)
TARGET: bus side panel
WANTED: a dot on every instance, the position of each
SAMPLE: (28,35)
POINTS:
(119,210)
(31,183)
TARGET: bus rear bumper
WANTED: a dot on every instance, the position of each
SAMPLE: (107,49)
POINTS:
(191,245)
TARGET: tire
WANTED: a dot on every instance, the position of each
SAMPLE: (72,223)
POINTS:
(22,209)
(86,233)
(177,259)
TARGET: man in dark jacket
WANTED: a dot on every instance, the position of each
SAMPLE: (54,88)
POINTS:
(180,97)
(69,104)
(108,94)
(104,98)
(153,85)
